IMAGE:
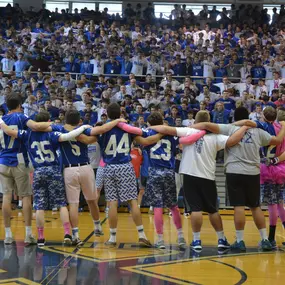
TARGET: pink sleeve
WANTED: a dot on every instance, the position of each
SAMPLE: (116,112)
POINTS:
(130,129)
(192,138)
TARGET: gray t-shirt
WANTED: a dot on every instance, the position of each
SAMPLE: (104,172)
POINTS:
(244,158)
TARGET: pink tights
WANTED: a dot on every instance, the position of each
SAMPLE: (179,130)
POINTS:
(275,211)
(158,219)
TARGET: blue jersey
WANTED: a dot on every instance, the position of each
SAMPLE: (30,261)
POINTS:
(13,151)
(145,164)
(116,146)
(73,152)
(162,154)
(42,147)
(267,151)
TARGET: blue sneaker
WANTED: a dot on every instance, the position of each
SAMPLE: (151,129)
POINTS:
(223,244)
(196,245)
(265,245)
(273,244)
(238,246)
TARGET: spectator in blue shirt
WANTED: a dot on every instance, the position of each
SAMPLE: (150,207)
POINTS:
(53,111)
(89,114)
(20,65)
(258,71)
(86,66)
(229,103)
(126,65)
(38,29)
(220,115)
(112,66)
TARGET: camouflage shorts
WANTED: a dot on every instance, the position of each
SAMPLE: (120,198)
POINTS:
(161,188)
(271,194)
(48,188)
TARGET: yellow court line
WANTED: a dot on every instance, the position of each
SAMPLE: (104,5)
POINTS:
(2,271)
(22,280)
(108,259)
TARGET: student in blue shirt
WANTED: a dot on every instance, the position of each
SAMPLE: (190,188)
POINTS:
(112,66)
(220,72)
(258,71)
(126,65)
(14,169)
(48,183)
(197,69)
(86,66)
(20,65)
(92,116)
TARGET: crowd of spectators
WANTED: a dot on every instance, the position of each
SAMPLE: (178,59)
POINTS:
(215,61)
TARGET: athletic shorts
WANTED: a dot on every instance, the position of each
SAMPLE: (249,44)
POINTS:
(120,182)
(15,179)
(79,178)
(243,190)
(161,188)
(100,178)
(271,194)
(200,194)
(48,188)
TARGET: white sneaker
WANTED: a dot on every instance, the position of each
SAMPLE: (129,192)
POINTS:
(30,240)
(9,240)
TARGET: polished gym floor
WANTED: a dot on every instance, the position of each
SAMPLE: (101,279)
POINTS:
(128,264)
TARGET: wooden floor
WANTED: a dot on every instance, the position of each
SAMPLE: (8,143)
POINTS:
(128,264)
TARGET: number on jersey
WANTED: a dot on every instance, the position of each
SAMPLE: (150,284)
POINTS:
(113,147)
(75,149)
(166,146)
(12,140)
(44,155)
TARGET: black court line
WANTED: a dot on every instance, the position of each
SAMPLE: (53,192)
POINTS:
(241,272)
(67,260)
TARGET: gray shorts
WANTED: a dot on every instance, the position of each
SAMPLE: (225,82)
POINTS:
(15,179)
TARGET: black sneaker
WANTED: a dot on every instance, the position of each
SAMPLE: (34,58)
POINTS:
(67,240)
(77,242)
(41,242)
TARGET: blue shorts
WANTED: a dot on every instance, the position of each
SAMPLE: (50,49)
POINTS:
(48,188)
(120,182)
(161,188)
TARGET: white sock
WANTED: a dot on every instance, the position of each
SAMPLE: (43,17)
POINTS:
(97,225)
(28,231)
(139,206)
(159,237)
(20,203)
(180,233)
(8,232)
(151,208)
(75,233)
(113,235)
(239,235)
(196,236)
(263,233)
(221,235)
(141,232)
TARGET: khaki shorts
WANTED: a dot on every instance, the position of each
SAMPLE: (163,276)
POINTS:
(15,179)
(76,178)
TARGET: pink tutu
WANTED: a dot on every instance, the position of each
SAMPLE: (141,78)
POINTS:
(274,174)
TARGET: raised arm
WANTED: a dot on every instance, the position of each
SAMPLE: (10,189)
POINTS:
(192,138)
(73,134)
(8,130)
(166,130)
(106,127)
(211,127)
(237,136)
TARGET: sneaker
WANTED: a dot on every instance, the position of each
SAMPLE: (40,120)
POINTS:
(19,207)
(181,242)
(98,233)
(265,245)
(41,242)
(238,246)
(160,244)
(186,215)
(67,239)
(110,243)
(223,244)
(30,240)
(9,240)
(273,244)
(77,242)
(196,245)
(144,242)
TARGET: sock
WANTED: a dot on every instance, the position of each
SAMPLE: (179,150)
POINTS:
(221,235)
(141,232)
(75,233)
(176,217)
(97,225)
(28,231)
(158,220)
(20,203)
(160,237)
(113,235)
(239,234)
(263,233)
(196,236)
(40,232)
(66,227)
(139,206)
(281,212)
(273,215)
(151,208)
(272,230)
(180,233)
(8,232)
